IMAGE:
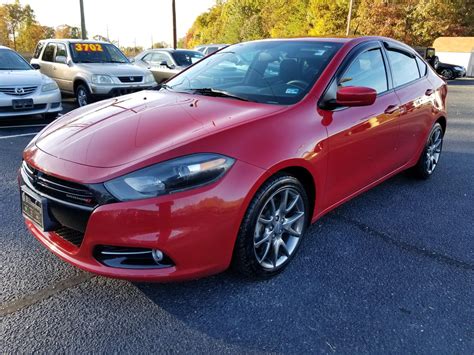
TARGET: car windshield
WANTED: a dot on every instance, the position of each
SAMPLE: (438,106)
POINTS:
(9,60)
(186,58)
(83,52)
(274,72)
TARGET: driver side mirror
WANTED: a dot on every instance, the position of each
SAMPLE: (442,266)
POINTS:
(36,66)
(61,59)
(355,96)
(163,63)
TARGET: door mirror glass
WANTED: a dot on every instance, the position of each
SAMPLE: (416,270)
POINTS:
(36,66)
(355,96)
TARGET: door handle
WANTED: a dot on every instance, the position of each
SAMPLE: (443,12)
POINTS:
(391,109)
(429,92)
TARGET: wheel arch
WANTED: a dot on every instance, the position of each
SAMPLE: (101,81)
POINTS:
(442,121)
(78,81)
(300,169)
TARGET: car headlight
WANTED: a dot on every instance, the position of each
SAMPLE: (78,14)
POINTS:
(149,78)
(50,86)
(101,79)
(170,176)
(459,68)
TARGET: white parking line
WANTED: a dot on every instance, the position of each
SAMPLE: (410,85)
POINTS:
(18,135)
(24,126)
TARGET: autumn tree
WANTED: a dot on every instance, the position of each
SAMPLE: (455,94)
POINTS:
(15,16)
(66,31)
(4,32)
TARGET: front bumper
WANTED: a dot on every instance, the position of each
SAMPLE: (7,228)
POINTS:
(196,229)
(48,102)
(106,91)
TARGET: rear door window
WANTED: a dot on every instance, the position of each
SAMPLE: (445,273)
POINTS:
(61,50)
(367,69)
(48,55)
(404,67)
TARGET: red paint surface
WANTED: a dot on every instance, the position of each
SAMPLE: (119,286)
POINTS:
(346,152)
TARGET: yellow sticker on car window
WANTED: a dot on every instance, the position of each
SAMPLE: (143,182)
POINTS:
(88,47)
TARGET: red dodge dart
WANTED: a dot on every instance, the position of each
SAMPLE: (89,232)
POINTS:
(229,162)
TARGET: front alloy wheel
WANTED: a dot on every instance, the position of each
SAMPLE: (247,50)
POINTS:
(273,227)
(82,95)
(447,73)
(279,228)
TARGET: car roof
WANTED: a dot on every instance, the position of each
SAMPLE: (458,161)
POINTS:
(3,47)
(71,40)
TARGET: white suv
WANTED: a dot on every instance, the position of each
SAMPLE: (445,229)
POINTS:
(25,91)
(90,69)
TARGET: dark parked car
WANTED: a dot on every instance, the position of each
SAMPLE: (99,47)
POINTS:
(447,71)
(450,71)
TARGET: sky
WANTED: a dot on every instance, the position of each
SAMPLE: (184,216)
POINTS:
(127,20)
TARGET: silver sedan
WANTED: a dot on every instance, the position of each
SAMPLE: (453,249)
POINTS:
(24,90)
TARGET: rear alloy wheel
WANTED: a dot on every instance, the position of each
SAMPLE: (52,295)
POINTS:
(83,96)
(430,157)
(447,74)
(272,228)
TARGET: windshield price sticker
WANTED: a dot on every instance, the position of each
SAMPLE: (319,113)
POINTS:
(88,47)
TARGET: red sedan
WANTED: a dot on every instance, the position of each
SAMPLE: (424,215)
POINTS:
(231,160)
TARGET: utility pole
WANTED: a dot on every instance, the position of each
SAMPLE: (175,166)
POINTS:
(349,15)
(175,38)
(83,21)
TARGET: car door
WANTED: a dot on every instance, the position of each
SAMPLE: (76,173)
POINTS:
(416,96)
(362,141)
(161,72)
(47,60)
(61,71)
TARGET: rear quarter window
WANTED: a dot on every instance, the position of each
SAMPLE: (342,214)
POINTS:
(39,48)
(422,67)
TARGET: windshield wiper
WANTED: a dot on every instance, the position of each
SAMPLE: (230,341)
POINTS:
(217,93)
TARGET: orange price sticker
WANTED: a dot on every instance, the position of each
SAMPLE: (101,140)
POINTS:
(88,47)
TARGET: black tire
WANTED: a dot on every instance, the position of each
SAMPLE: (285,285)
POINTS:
(83,95)
(422,168)
(447,74)
(244,258)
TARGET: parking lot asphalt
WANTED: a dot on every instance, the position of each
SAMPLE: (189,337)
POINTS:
(391,271)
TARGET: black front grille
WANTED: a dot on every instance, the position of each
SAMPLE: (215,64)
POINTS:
(71,235)
(9,109)
(61,189)
(131,79)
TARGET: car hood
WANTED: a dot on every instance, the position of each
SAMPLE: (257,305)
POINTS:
(114,69)
(20,77)
(136,127)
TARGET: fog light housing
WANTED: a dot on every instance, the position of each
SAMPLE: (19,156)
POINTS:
(131,258)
